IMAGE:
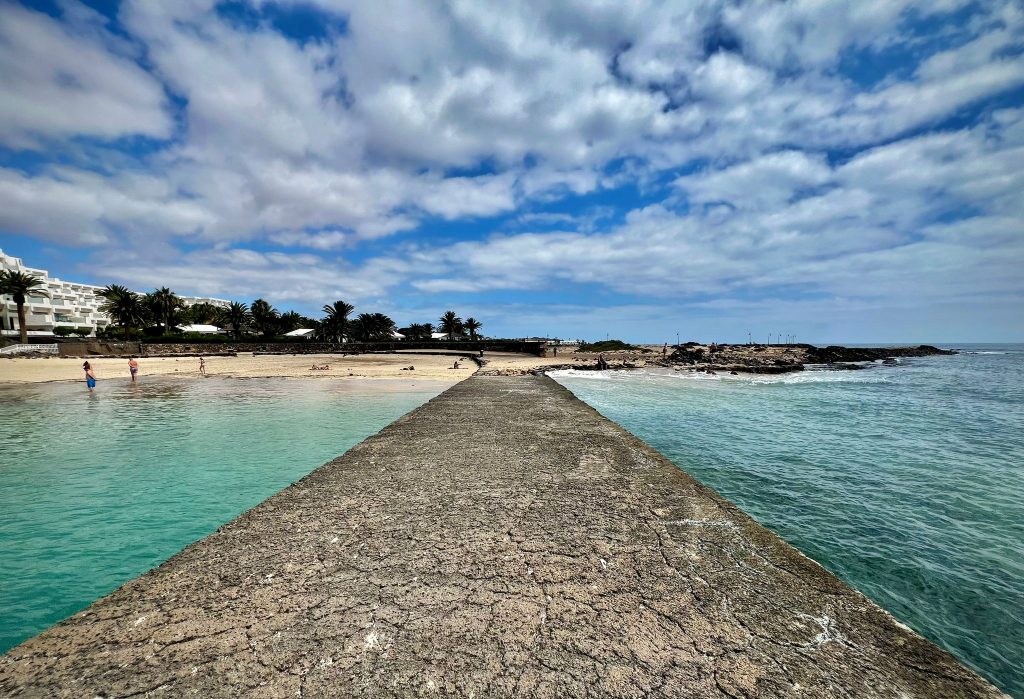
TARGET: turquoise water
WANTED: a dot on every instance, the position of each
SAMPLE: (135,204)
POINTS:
(906,481)
(96,489)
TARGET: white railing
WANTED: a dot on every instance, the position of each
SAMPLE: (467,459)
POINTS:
(29,349)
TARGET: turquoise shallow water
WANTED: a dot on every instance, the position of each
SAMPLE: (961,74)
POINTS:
(906,481)
(95,490)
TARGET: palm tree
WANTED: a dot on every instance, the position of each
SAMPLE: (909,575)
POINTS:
(264,317)
(19,285)
(472,325)
(202,314)
(371,327)
(451,324)
(236,316)
(290,321)
(164,304)
(417,331)
(381,327)
(359,328)
(124,307)
(336,323)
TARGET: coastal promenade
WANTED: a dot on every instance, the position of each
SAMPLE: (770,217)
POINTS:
(502,540)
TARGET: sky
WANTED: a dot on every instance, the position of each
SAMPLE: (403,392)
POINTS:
(833,171)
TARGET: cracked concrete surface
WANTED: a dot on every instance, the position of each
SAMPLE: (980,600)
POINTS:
(502,540)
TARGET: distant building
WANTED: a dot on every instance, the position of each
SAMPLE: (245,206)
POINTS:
(190,301)
(200,328)
(300,332)
(70,304)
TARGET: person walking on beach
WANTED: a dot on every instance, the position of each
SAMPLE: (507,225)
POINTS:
(202,366)
(133,367)
(90,376)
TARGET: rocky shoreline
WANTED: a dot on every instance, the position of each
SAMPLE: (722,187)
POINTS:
(782,359)
(752,359)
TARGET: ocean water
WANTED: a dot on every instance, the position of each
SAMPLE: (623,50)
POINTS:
(906,481)
(96,489)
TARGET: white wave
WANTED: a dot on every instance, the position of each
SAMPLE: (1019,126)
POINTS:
(984,352)
(697,376)
(580,374)
(847,376)
(679,374)
(640,374)
(661,376)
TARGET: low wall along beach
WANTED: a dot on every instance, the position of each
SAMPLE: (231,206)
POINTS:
(502,540)
(171,349)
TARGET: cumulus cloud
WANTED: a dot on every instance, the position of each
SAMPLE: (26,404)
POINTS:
(294,278)
(786,167)
(770,180)
(320,240)
(872,227)
(78,207)
(62,80)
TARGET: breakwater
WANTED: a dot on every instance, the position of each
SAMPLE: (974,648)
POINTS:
(504,539)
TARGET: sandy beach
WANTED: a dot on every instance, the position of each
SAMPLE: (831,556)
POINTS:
(364,366)
(436,367)
(433,365)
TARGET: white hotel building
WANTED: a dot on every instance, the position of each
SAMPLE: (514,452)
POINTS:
(69,304)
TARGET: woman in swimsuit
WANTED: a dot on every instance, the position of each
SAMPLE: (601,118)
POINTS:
(90,377)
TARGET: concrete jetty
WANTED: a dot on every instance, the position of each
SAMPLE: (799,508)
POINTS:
(502,540)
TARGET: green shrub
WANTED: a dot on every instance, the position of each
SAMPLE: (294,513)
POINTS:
(606,346)
(82,331)
(63,331)
(116,333)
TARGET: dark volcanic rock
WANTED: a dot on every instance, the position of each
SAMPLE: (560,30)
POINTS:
(835,353)
(778,359)
(687,355)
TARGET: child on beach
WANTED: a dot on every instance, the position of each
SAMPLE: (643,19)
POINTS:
(90,376)
(202,366)
(133,367)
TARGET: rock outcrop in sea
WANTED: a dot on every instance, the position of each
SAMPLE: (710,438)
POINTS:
(781,359)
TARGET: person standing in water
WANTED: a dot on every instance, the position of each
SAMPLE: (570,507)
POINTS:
(202,366)
(133,367)
(90,376)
